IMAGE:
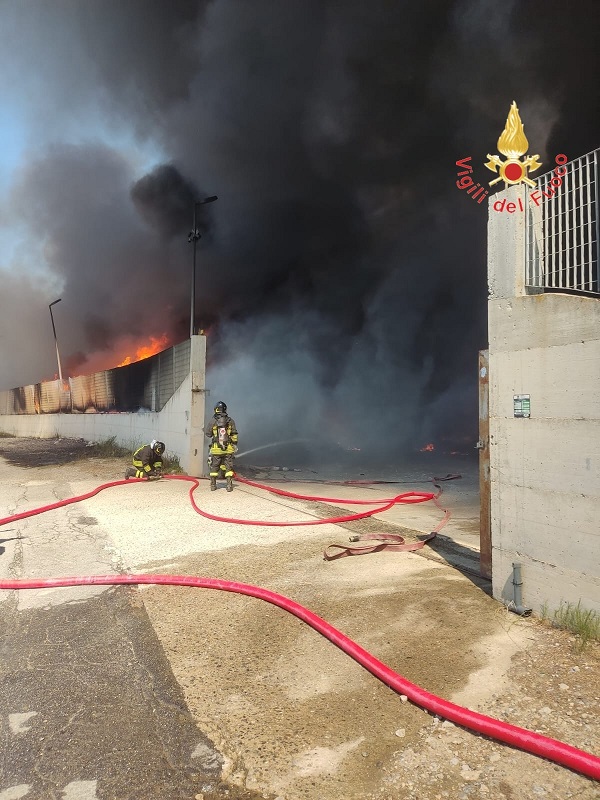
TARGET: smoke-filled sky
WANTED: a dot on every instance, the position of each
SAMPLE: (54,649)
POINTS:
(341,273)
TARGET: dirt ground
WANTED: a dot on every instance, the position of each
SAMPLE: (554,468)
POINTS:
(296,719)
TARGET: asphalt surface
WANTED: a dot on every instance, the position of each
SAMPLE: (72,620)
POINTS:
(89,707)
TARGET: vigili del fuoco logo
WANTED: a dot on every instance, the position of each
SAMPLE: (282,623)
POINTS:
(513,144)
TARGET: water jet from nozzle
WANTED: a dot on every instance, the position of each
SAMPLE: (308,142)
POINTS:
(271,444)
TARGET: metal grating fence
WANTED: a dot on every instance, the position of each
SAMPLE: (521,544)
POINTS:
(143,386)
(562,230)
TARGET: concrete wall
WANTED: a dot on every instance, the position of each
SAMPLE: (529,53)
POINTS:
(545,469)
(179,424)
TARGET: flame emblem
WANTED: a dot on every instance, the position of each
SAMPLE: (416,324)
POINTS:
(513,144)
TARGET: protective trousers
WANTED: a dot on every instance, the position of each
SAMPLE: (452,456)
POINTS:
(221,465)
(140,470)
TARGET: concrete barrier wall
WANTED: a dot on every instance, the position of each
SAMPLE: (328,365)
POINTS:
(544,469)
(179,424)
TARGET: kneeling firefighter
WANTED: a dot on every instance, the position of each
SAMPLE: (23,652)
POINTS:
(147,461)
(223,432)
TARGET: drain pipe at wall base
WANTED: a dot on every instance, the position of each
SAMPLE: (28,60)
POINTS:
(516,604)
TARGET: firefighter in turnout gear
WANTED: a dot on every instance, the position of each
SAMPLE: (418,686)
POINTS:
(147,461)
(223,433)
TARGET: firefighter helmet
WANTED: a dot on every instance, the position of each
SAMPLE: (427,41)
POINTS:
(158,447)
(221,408)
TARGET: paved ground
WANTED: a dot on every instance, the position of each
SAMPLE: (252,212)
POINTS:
(167,692)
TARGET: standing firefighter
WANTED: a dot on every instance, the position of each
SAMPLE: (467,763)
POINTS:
(147,461)
(224,435)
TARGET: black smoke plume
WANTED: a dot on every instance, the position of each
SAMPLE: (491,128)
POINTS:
(341,274)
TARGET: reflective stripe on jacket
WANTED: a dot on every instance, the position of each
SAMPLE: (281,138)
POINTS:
(145,458)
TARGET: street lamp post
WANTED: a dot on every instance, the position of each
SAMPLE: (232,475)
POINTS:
(56,340)
(193,237)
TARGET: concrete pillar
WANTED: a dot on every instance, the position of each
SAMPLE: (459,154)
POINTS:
(197,460)
(506,244)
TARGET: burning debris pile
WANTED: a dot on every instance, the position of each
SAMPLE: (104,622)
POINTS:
(146,350)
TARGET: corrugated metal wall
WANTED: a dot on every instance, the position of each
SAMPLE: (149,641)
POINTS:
(144,386)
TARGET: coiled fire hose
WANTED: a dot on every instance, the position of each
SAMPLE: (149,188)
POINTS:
(535,743)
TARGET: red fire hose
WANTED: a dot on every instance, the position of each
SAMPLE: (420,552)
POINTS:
(384,504)
(558,752)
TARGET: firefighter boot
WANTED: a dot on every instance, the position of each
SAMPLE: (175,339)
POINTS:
(229,483)
(213,483)
(130,473)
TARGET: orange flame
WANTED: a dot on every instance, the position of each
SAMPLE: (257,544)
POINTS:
(147,350)
(429,448)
